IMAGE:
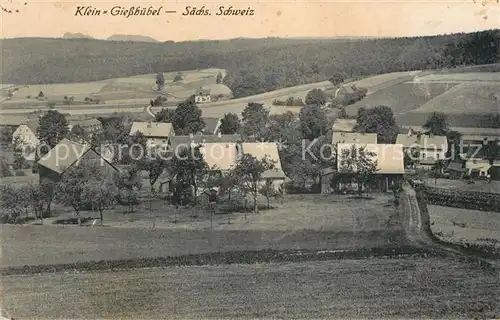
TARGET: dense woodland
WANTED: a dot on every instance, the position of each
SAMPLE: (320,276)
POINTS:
(254,65)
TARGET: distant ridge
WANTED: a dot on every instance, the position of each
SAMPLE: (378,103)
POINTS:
(130,37)
(78,35)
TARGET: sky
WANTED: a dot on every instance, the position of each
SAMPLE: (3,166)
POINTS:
(373,18)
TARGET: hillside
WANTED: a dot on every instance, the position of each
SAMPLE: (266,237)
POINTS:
(78,35)
(254,65)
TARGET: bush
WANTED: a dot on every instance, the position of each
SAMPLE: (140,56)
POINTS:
(472,200)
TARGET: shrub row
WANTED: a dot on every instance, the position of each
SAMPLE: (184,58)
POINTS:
(221,258)
(472,200)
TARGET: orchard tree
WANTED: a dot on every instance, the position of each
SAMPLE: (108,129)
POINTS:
(336,79)
(165,115)
(188,167)
(268,191)
(77,134)
(313,121)
(379,120)
(128,183)
(316,97)
(53,128)
(101,193)
(248,171)
(160,81)
(436,124)
(230,124)
(359,165)
(254,120)
(219,78)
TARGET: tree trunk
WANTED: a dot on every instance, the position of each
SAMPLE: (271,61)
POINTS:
(101,216)
(255,206)
(268,206)
(78,217)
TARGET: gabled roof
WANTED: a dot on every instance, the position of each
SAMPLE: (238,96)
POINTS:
(260,150)
(33,125)
(222,156)
(152,129)
(211,125)
(179,142)
(389,157)
(344,125)
(354,137)
(63,155)
(423,141)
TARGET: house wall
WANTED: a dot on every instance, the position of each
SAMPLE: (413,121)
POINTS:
(202,99)
(481,164)
(430,153)
(24,135)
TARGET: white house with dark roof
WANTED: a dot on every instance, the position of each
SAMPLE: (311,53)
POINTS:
(26,135)
(156,133)
(428,146)
(270,150)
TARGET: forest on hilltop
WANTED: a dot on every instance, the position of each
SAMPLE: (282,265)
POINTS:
(254,65)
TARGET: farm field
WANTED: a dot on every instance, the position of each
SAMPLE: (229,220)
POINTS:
(127,88)
(345,224)
(466,98)
(371,288)
(465,225)
(460,77)
(401,98)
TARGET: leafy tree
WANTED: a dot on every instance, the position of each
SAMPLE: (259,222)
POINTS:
(359,165)
(155,168)
(283,128)
(249,171)
(77,134)
(313,121)
(187,118)
(102,194)
(160,81)
(165,115)
(379,120)
(70,189)
(219,78)
(40,196)
(436,124)
(10,94)
(268,191)
(254,120)
(53,128)
(128,183)
(342,113)
(453,138)
(40,95)
(492,151)
(336,79)
(188,167)
(411,157)
(316,97)
(178,77)
(230,124)
(437,169)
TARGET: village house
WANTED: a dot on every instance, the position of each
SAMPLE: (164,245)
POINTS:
(177,143)
(26,135)
(90,127)
(430,148)
(202,96)
(390,165)
(354,137)
(67,154)
(260,150)
(157,133)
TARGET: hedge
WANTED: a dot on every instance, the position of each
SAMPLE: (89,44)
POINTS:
(473,200)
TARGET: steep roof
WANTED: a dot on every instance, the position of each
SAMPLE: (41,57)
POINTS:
(211,124)
(152,129)
(389,156)
(33,125)
(344,125)
(63,155)
(260,150)
(220,155)
(423,141)
(353,137)
(178,142)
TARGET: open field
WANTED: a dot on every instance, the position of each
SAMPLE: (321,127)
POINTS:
(126,88)
(312,222)
(401,98)
(465,225)
(371,288)
(460,77)
(466,98)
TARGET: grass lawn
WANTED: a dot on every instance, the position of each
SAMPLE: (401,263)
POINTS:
(304,222)
(368,288)
(465,225)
